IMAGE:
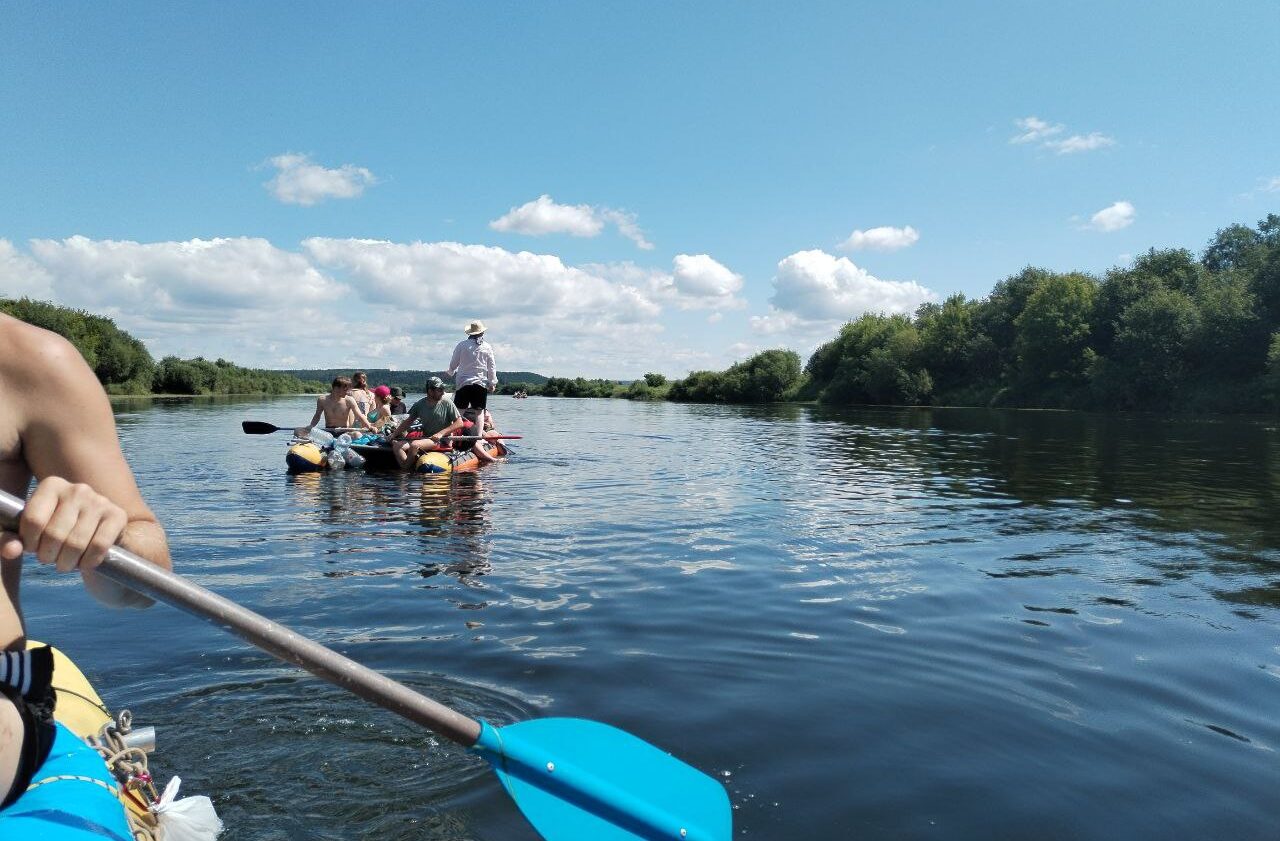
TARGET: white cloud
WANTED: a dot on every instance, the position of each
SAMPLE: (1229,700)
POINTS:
(884,238)
(461,280)
(699,276)
(628,227)
(1045,135)
(1271,185)
(21,276)
(776,322)
(181,278)
(299,181)
(1080,143)
(346,302)
(814,290)
(1113,218)
(697,281)
(544,216)
(1034,129)
(241,298)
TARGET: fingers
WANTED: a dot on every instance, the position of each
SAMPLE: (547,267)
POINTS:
(69,526)
(10,546)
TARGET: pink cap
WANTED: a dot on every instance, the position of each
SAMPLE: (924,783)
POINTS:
(382,391)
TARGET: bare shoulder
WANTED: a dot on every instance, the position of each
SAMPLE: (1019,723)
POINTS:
(32,357)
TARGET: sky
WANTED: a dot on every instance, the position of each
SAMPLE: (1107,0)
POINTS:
(612,188)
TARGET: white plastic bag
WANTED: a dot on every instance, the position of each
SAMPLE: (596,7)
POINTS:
(186,819)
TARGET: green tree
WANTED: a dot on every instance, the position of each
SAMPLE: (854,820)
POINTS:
(767,377)
(996,316)
(1055,327)
(952,349)
(1152,346)
(1231,339)
(655,380)
(873,360)
(1271,382)
(1235,248)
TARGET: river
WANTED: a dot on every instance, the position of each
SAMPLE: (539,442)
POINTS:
(876,623)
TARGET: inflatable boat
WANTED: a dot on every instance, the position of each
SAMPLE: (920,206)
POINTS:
(95,783)
(308,457)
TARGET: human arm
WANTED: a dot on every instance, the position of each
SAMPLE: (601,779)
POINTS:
(86,498)
(455,361)
(402,428)
(447,431)
(491,371)
(359,415)
(315,419)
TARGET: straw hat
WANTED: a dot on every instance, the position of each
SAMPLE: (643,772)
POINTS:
(475,328)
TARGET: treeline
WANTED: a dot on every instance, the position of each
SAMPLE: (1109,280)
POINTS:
(124,366)
(1171,331)
(121,362)
(200,376)
(411,381)
(652,387)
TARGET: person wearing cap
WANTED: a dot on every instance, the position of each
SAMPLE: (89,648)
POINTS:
(380,414)
(397,405)
(438,417)
(475,377)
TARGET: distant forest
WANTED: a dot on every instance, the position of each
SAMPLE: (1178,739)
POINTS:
(123,365)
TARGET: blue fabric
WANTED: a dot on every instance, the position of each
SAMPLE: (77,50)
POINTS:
(68,810)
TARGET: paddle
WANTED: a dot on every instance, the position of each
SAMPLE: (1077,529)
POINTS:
(484,437)
(572,778)
(262,428)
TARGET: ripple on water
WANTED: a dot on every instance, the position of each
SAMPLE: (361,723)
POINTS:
(288,756)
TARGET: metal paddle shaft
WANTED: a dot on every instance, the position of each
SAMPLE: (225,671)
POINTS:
(482,437)
(127,569)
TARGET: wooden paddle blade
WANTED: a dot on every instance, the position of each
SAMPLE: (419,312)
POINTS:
(259,428)
(574,779)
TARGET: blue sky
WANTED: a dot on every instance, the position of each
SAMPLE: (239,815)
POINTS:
(613,188)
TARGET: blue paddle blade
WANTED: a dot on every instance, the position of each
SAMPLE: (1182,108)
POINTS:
(576,779)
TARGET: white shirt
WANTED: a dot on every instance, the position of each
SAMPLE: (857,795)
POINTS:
(473,362)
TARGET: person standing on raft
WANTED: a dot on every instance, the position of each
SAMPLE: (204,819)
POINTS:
(475,377)
(85,501)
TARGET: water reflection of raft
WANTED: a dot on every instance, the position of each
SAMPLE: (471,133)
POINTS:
(306,457)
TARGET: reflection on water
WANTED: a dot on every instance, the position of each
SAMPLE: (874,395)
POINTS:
(877,623)
(448,516)
(1134,483)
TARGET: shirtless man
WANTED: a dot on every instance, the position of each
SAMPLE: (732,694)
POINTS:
(85,500)
(339,410)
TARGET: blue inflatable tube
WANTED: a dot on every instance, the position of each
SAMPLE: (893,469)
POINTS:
(71,798)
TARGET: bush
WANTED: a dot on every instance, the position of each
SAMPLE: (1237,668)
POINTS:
(766,377)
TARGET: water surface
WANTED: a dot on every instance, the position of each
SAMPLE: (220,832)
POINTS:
(874,624)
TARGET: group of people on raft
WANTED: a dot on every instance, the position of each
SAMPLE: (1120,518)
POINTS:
(351,404)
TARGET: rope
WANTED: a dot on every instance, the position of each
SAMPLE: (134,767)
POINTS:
(129,766)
